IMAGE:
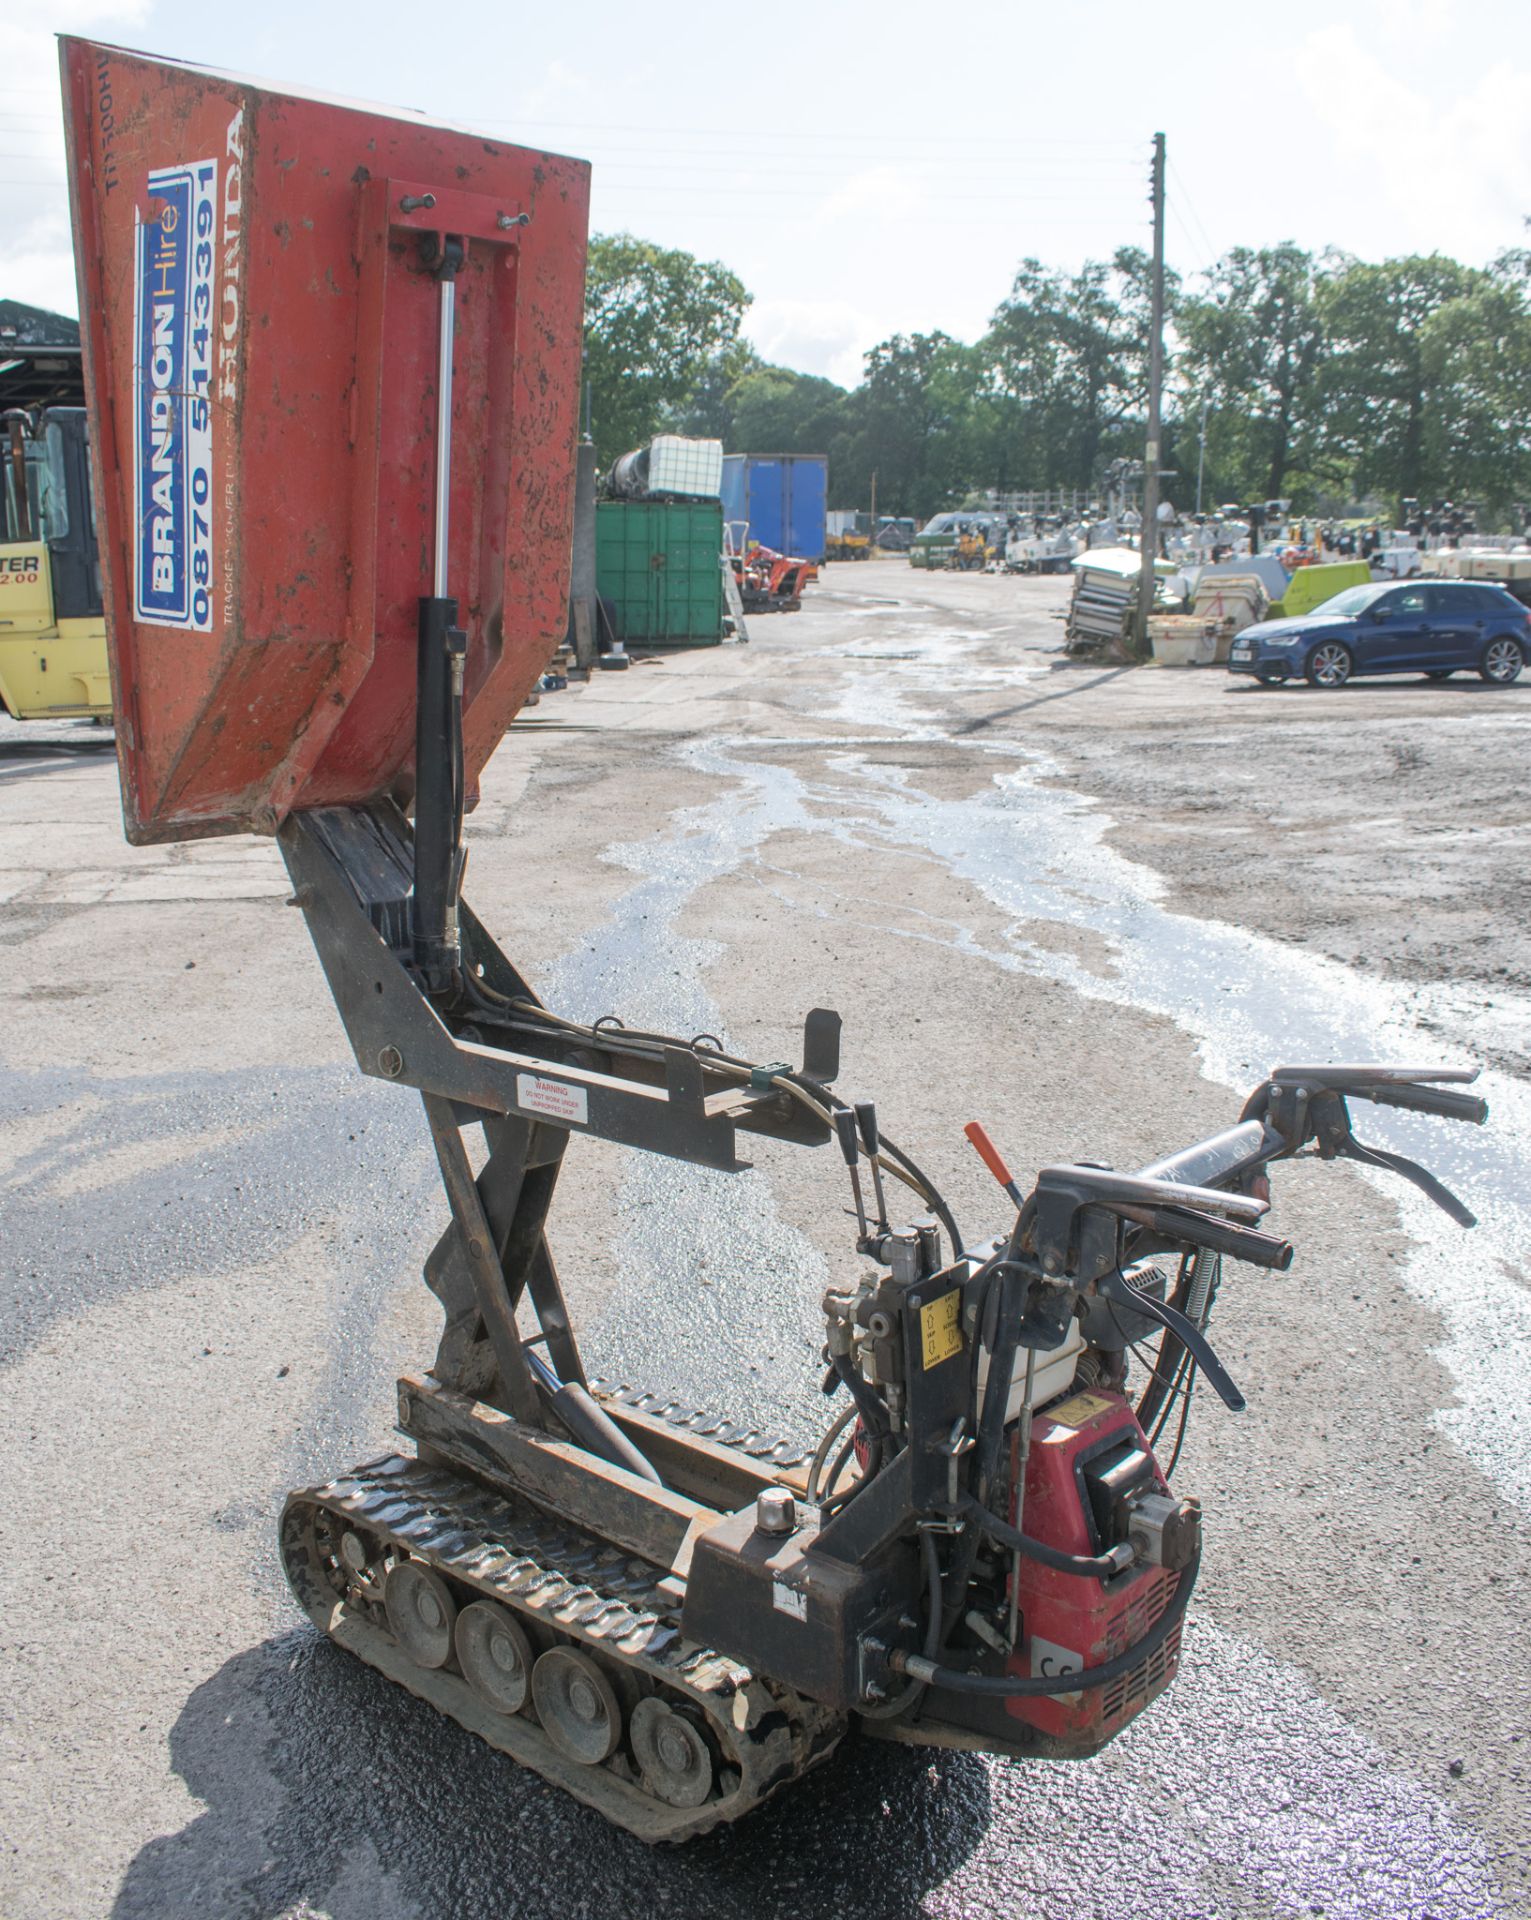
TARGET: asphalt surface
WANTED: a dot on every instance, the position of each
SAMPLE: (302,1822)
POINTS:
(1045,894)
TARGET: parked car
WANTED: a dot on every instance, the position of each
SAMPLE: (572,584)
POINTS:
(1436,628)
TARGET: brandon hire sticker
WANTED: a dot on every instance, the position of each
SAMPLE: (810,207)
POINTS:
(172,423)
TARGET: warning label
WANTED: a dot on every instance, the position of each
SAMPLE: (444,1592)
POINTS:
(1081,1410)
(555,1099)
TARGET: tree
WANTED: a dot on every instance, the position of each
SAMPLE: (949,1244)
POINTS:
(1252,343)
(1476,354)
(779,411)
(912,422)
(1071,350)
(1381,403)
(656,319)
(707,412)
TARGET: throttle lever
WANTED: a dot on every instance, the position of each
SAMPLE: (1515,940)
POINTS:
(1115,1286)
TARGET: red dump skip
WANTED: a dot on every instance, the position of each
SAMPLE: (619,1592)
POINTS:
(260,351)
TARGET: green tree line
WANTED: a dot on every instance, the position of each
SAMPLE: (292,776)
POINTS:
(1319,377)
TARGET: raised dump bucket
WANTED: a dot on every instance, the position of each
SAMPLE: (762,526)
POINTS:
(261,328)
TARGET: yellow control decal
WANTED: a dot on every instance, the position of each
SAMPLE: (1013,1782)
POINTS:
(940,1333)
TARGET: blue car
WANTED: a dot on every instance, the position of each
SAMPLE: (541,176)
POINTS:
(1436,628)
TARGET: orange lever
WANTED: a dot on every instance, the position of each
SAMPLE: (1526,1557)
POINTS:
(992,1158)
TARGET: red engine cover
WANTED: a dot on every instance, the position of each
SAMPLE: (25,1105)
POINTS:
(260,338)
(1068,1622)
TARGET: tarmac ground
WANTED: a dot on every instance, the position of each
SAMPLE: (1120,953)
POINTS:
(1090,906)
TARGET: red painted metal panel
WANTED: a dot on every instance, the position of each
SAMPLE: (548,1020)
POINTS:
(260,352)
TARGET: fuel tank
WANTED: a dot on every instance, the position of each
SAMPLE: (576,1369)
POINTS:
(261,325)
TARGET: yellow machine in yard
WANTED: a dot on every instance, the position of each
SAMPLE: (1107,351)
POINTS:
(53,662)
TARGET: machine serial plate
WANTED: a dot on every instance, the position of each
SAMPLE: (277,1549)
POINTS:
(940,1331)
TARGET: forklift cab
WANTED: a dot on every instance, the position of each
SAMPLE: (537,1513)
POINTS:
(53,660)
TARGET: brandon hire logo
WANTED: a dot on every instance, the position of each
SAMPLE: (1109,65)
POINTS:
(172,422)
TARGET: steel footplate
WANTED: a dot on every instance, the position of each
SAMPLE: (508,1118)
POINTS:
(717,1427)
(571,1590)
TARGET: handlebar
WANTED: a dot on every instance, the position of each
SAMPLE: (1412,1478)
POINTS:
(1239,1243)
(1437,1100)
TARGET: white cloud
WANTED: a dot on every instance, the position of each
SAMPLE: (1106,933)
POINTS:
(1459,167)
(551,97)
(878,192)
(826,337)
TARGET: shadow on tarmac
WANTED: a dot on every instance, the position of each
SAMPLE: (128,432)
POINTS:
(326,1788)
(1040,700)
(21,747)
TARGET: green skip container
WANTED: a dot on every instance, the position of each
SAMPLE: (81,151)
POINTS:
(658,570)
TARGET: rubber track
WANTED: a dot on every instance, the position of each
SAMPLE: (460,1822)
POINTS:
(717,1427)
(589,1594)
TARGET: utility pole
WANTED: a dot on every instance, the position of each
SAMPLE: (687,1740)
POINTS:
(1201,454)
(873,529)
(1148,540)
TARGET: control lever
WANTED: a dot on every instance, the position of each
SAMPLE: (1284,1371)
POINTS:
(1330,1119)
(866,1121)
(990,1155)
(845,1131)
(1114,1286)
(1308,1103)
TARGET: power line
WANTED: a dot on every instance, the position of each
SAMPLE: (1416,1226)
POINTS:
(1184,195)
(855,138)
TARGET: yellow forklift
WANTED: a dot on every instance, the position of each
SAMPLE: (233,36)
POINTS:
(53,663)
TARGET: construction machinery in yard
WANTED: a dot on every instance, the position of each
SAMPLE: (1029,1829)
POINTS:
(333,359)
(770,582)
(53,659)
(848,535)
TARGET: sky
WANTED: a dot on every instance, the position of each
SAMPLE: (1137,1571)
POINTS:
(875,169)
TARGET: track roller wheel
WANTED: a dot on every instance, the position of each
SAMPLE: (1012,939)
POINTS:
(421,1611)
(673,1754)
(495,1656)
(577,1706)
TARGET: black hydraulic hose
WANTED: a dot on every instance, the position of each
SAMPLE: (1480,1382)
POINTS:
(589,1423)
(905,1698)
(873,1414)
(1098,1566)
(1008,1686)
(1013,1286)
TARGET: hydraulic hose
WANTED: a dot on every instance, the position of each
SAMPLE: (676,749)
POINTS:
(1011,1686)
(874,1415)
(905,1698)
(1098,1566)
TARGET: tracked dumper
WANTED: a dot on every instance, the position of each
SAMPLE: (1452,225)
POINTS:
(333,358)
